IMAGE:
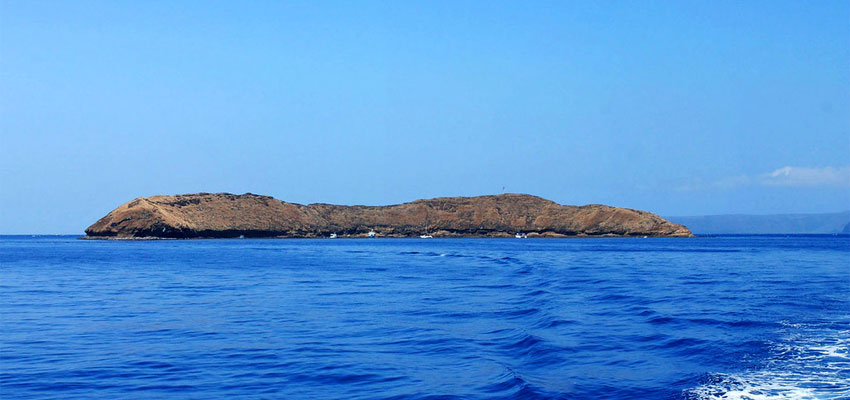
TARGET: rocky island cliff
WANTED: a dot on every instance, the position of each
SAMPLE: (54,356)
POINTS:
(224,215)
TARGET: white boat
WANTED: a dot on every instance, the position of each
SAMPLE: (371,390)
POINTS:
(332,236)
(425,236)
(372,233)
(521,236)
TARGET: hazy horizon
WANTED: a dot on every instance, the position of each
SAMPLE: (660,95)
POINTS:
(684,109)
(840,213)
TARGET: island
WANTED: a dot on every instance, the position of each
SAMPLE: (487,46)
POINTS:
(225,215)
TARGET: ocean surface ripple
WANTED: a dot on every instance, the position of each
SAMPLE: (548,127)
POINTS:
(728,317)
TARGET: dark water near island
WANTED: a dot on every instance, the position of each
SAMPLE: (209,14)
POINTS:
(745,317)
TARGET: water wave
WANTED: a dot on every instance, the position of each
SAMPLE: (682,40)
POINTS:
(810,363)
(602,319)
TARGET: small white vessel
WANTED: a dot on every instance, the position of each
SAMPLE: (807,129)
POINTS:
(371,233)
(521,236)
(332,236)
(425,236)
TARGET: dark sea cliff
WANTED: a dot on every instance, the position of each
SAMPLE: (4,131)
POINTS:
(742,317)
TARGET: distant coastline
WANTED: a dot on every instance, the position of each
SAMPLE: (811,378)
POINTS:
(822,223)
(224,215)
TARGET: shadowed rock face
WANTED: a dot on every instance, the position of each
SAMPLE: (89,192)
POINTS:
(224,215)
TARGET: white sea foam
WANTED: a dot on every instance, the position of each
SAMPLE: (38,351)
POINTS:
(810,363)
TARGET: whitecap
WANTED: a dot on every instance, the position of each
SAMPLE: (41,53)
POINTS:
(809,363)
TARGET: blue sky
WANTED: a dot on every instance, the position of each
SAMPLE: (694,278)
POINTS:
(680,108)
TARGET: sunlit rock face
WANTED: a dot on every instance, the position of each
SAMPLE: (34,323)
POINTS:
(224,215)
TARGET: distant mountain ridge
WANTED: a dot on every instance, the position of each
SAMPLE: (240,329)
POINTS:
(766,224)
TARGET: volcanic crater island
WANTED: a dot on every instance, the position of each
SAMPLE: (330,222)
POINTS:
(225,215)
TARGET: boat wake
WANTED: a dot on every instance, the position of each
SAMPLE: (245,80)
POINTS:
(813,362)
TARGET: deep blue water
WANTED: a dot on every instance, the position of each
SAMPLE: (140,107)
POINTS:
(749,317)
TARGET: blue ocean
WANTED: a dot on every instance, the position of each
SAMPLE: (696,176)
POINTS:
(724,317)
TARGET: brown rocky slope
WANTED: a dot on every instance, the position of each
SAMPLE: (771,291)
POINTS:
(224,215)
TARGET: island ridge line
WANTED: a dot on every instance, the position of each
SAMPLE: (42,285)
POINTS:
(224,215)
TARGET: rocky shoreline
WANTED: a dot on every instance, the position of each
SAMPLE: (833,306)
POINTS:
(224,215)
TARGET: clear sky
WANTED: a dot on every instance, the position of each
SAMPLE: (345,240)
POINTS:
(676,107)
